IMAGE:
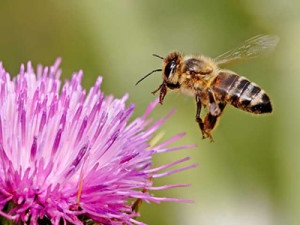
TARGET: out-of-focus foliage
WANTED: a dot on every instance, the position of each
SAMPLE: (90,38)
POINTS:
(250,175)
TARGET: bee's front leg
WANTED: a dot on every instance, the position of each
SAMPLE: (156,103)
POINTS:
(162,93)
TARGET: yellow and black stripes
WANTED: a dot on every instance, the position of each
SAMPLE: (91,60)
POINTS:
(241,93)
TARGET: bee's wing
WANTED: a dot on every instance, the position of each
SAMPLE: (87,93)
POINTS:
(249,49)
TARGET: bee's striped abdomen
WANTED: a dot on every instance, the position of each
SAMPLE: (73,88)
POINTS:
(241,93)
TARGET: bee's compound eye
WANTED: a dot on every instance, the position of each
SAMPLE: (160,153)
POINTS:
(170,68)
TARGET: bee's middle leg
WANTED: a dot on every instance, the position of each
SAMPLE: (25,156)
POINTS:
(198,118)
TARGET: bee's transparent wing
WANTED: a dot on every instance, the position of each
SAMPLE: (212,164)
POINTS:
(251,48)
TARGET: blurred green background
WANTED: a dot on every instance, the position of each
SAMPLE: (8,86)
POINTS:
(251,174)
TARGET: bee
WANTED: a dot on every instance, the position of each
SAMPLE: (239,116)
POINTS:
(213,87)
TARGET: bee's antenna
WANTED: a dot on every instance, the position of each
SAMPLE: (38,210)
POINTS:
(158,56)
(157,70)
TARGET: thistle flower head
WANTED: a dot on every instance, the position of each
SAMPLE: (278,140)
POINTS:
(67,155)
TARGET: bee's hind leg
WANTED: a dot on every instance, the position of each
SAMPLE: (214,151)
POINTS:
(210,121)
(214,112)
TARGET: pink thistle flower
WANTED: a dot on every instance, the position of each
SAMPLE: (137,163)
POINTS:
(68,157)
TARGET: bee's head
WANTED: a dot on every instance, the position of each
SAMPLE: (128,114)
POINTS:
(170,66)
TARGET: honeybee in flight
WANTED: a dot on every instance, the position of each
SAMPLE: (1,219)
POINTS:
(213,87)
